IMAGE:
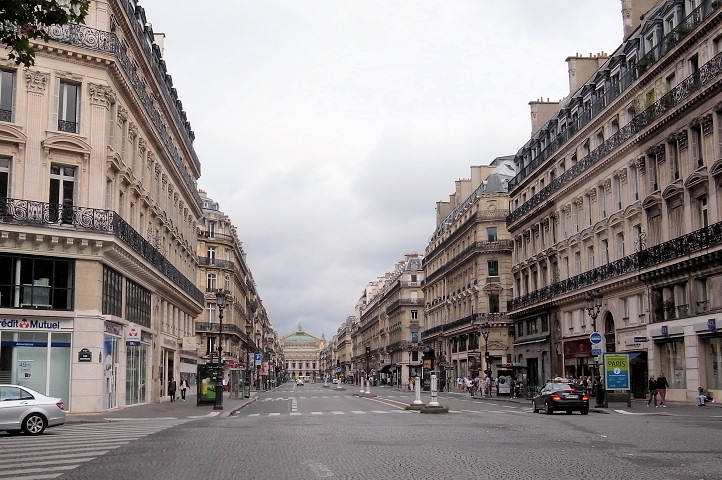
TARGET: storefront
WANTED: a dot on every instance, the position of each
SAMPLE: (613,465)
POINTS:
(578,361)
(710,357)
(137,345)
(35,352)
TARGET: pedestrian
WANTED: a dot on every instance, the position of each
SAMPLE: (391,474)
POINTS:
(652,386)
(183,387)
(662,386)
(171,389)
(487,386)
(701,397)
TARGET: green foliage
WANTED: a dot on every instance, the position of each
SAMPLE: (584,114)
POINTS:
(22,21)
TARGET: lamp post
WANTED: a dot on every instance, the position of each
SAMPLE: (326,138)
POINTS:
(594,305)
(485,330)
(221,303)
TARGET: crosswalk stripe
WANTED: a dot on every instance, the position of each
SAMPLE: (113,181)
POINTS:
(69,448)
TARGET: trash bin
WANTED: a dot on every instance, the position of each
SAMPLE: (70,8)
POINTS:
(246,391)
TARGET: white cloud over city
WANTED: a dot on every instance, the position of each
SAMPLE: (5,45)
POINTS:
(329,129)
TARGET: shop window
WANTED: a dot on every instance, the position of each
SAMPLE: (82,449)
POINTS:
(112,292)
(673,363)
(137,304)
(36,282)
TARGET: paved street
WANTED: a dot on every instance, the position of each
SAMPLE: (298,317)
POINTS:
(315,432)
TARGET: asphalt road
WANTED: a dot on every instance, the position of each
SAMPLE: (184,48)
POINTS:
(312,432)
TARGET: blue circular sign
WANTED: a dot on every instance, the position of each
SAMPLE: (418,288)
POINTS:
(595,338)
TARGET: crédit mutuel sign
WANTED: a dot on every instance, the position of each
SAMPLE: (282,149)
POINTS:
(27,323)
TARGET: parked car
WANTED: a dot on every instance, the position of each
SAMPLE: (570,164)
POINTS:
(23,409)
(564,396)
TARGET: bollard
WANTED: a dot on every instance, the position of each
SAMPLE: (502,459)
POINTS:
(368,386)
(362,385)
(417,388)
(434,393)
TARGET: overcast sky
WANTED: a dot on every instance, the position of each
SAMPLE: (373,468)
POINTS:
(329,129)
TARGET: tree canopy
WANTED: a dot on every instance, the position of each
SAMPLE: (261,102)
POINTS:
(23,20)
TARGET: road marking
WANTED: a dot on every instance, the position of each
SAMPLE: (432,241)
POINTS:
(66,448)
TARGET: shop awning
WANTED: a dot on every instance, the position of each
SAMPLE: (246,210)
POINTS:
(385,369)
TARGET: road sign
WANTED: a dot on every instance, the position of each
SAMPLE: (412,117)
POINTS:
(338,369)
(596,351)
(640,339)
(616,371)
(595,338)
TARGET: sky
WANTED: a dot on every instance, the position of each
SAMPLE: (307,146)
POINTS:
(329,129)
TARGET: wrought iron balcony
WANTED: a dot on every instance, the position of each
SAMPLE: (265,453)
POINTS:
(54,215)
(67,126)
(6,115)
(210,327)
(216,262)
(680,247)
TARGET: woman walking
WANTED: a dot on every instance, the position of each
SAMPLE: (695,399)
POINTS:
(652,386)
(662,386)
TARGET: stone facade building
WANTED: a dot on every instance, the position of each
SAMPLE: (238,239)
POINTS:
(615,210)
(246,326)
(98,209)
(302,353)
(389,317)
(467,277)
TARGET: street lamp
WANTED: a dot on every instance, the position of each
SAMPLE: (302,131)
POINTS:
(485,331)
(221,303)
(594,306)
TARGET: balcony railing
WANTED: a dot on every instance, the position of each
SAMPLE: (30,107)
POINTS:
(216,262)
(55,215)
(688,87)
(679,247)
(6,115)
(210,327)
(67,126)
(495,246)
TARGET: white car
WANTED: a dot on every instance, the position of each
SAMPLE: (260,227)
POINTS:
(24,409)
(299,382)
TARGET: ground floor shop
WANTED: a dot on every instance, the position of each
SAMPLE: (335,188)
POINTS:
(93,364)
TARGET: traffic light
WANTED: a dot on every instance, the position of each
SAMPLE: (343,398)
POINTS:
(368,350)
(486,358)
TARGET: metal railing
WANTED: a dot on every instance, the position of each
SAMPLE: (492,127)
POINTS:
(54,215)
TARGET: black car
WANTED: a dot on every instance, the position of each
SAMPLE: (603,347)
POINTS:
(564,396)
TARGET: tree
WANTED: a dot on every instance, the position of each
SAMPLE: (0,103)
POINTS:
(24,20)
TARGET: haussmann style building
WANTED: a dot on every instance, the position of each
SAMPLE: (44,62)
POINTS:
(615,212)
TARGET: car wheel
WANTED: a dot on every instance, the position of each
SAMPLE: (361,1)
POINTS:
(547,408)
(34,424)
(584,411)
(533,407)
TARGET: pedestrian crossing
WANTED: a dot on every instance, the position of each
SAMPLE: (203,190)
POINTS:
(69,446)
(332,412)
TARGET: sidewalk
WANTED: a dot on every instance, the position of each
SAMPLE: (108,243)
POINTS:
(639,405)
(165,410)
